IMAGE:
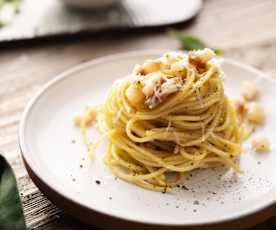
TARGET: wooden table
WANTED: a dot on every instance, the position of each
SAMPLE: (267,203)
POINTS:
(245,29)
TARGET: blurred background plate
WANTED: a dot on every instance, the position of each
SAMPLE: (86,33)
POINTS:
(52,17)
(89,4)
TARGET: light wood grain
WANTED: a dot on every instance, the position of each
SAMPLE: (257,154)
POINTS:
(245,29)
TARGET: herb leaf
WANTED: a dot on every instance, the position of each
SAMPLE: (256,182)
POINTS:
(218,51)
(189,42)
(11,214)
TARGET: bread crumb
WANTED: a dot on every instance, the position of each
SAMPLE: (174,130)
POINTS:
(90,116)
(256,113)
(151,66)
(249,90)
(77,120)
(199,58)
(241,106)
(260,144)
(138,70)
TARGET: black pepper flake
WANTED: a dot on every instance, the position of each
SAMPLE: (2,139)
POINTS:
(258,162)
(73,179)
(167,204)
(73,141)
(115,178)
(177,206)
(194,210)
(178,186)
(81,166)
(98,182)
(184,187)
(165,190)
(214,193)
(110,198)
(196,202)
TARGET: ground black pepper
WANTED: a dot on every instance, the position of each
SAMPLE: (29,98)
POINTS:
(184,187)
(196,202)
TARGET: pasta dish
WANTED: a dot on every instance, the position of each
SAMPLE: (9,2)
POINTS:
(167,118)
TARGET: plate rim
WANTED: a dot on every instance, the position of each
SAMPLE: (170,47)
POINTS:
(104,59)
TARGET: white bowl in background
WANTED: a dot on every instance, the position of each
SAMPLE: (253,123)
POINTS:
(89,4)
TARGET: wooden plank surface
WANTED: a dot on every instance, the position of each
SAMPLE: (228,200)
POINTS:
(245,29)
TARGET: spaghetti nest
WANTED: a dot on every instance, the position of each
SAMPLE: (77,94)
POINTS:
(169,117)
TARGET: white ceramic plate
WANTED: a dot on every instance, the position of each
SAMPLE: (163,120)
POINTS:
(210,196)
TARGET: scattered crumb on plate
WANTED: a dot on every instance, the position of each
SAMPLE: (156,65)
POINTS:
(260,144)
(256,113)
(249,90)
